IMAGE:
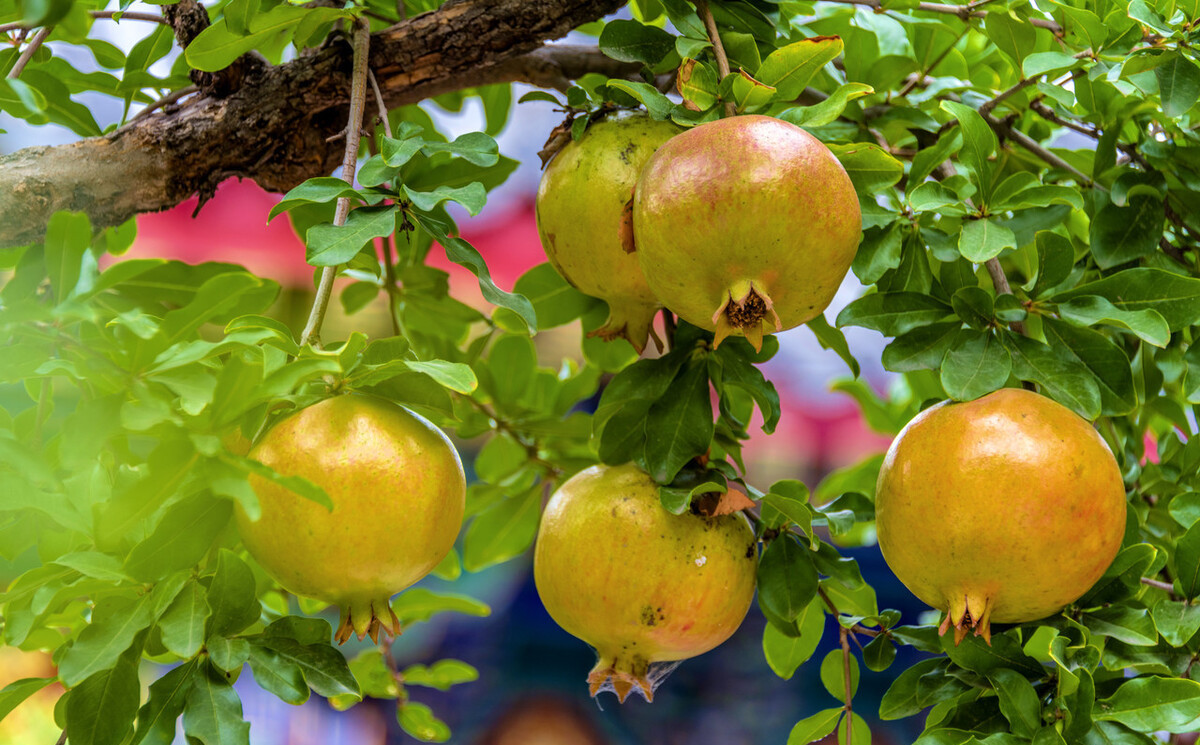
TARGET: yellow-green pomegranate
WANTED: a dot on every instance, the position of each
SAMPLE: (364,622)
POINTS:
(1004,509)
(634,581)
(398,496)
(745,225)
(582,219)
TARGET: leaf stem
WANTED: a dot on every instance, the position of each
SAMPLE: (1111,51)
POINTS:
(710,25)
(1159,585)
(29,51)
(358,95)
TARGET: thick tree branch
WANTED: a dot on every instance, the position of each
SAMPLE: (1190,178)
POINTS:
(274,128)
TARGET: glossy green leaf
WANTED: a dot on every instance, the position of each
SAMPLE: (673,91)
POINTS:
(503,531)
(785,654)
(331,245)
(816,727)
(787,579)
(789,69)
(1152,704)
(421,604)
(631,41)
(213,712)
(976,364)
(679,426)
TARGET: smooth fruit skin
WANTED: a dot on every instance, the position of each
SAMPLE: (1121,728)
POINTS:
(398,493)
(634,581)
(581,203)
(1006,508)
(747,203)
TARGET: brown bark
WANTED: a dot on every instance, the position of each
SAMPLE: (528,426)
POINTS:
(275,128)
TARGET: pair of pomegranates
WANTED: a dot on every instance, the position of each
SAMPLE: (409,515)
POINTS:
(745,225)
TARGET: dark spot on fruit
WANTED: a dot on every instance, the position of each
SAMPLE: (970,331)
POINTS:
(627,152)
(750,550)
(614,511)
(648,616)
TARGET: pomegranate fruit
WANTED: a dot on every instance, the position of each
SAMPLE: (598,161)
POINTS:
(582,219)
(634,581)
(398,494)
(745,225)
(1005,509)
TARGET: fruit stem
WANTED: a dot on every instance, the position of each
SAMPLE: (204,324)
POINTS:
(710,25)
(358,98)
(668,329)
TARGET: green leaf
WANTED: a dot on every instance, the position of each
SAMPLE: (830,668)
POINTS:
(893,313)
(277,674)
(833,674)
(1018,701)
(1044,63)
(554,300)
(787,578)
(156,720)
(833,338)
(182,625)
(319,190)
(1178,84)
(1013,36)
(1090,310)
(1185,562)
(816,727)
(985,239)
(441,675)
(789,69)
(979,142)
(923,348)
(68,235)
(1056,257)
(1151,704)
(100,709)
(975,365)
(13,694)
(418,720)
(464,254)
(181,539)
(1130,625)
(504,530)
(456,376)
(474,147)
(1061,377)
(1176,621)
(231,596)
(1107,363)
(785,654)
(323,666)
(116,622)
(472,196)
(869,167)
(818,115)
(656,103)
(1175,297)
(879,653)
(977,655)
(421,604)
(679,425)
(1122,234)
(213,712)
(216,47)
(330,245)
(630,41)
(878,252)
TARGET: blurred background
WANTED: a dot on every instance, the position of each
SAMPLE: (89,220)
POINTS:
(531,689)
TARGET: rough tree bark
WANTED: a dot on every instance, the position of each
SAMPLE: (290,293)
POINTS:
(275,128)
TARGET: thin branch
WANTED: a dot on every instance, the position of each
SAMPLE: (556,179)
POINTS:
(165,101)
(1159,584)
(962,11)
(153,18)
(119,16)
(847,681)
(1048,114)
(710,25)
(1027,142)
(990,104)
(29,51)
(389,267)
(668,329)
(358,95)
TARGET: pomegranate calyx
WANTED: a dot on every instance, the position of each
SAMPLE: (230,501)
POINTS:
(748,309)
(364,619)
(623,681)
(968,613)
